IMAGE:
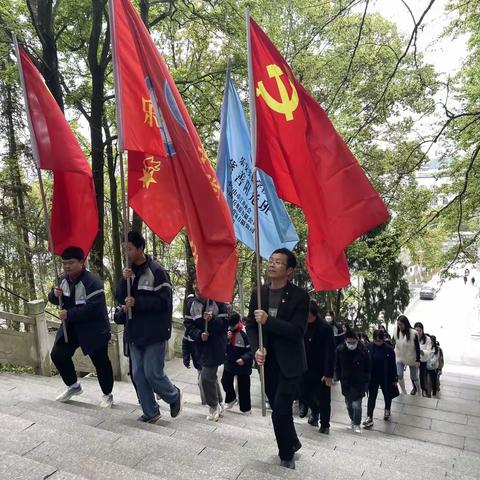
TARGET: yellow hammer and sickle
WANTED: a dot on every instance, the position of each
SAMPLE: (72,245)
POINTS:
(288,104)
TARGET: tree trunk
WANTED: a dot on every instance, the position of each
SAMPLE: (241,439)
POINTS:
(43,13)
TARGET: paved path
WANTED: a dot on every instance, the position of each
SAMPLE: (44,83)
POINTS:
(41,438)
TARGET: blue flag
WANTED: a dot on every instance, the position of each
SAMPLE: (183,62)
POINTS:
(234,172)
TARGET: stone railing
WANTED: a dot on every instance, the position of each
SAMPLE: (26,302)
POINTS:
(32,346)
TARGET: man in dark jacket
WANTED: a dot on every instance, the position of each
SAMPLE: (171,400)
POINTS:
(318,379)
(282,313)
(383,375)
(353,366)
(206,323)
(85,314)
(149,328)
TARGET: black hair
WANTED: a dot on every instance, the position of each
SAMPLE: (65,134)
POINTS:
(291,258)
(330,312)
(75,253)
(136,239)
(364,337)
(382,327)
(435,344)
(423,338)
(378,335)
(313,308)
(233,319)
(408,327)
(349,333)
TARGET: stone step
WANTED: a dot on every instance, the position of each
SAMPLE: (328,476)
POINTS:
(16,467)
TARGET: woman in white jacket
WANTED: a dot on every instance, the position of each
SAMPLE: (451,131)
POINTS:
(407,352)
(425,351)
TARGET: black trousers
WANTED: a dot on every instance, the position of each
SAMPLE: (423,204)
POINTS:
(372,397)
(243,383)
(315,395)
(62,354)
(433,375)
(281,393)
(423,376)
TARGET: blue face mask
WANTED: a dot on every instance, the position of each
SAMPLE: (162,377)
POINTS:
(351,346)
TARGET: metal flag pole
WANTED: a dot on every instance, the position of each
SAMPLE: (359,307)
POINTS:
(253,143)
(207,306)
(39,173)
(118,113)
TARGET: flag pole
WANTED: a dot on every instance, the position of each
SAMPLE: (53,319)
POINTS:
(253,142)
(39,174)
(118,113)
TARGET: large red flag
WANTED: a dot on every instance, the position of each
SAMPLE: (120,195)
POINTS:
(205,210)
(310,164)
(74,218)
(151,191)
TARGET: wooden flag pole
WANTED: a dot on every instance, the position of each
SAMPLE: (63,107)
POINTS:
(253,142)
(40,180)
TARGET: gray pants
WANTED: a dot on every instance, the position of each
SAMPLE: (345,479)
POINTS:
(211,387)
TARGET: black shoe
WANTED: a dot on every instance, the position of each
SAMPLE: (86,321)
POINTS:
(414,391)
(143,418)
(297,446)
(176,406)
(302,411)
(288,464)
(324,430)
(313,420)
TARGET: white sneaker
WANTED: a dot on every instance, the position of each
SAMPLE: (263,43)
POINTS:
(69,393)
(107,401)
(230,405)
(350,427)
(357,429)
(222,409)
(247,413)
(213,413)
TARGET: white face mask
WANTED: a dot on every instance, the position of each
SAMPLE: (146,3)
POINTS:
(351,346)
(329,319)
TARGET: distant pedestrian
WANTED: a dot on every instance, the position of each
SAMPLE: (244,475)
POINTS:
(353,366)
(433,362)
(425,350)
(440,365)
(465,278)
(388,338)
(238,363)
(473,280)
(407,352)
(315,387)
(383,375)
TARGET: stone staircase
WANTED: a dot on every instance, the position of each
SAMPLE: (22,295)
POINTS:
(41,438)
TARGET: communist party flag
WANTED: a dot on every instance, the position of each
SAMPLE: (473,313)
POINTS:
(151,190)
(74,217)
(205,211)
(310,164)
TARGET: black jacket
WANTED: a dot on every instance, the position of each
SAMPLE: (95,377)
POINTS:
(239,349)
(152,314)
(353,367)
(320,349)
(87,318)
(212,352)
(383,365)
(284,334)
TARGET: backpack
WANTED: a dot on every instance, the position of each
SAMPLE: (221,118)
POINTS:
(432,361)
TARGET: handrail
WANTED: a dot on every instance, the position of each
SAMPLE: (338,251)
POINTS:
(15,317)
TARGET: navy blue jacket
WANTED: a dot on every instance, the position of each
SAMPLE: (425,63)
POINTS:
(152,314)
(87,317)
(239,349)
(212,352)
(384,369)
(320,349)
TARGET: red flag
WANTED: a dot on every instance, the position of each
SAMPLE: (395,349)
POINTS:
(205,210)
(151,191)
(311,165)
(74,219)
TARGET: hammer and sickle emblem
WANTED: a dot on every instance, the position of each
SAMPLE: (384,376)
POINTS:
(288,104)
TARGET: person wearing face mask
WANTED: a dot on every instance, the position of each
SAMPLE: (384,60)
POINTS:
(238,363)
(353,367)
(383,375)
